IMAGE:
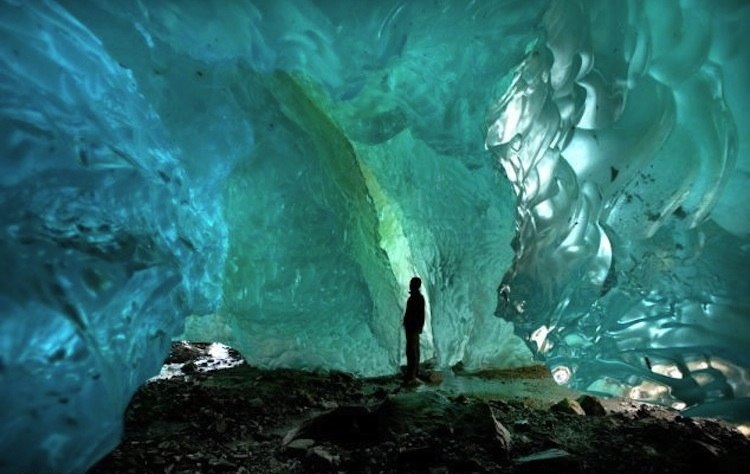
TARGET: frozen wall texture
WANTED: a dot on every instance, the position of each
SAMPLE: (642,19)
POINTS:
(624,133)
(569,178)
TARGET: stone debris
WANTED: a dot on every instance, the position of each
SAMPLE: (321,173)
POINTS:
(246,420)
(569,406)
(504,437)
(550,460)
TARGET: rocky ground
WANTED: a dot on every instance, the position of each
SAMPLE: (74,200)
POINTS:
(243,419)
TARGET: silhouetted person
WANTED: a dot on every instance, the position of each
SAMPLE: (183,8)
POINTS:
(413,323)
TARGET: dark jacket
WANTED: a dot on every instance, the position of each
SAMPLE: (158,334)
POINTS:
(414,315)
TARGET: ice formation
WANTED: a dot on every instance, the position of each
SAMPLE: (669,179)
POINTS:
(619,133)
(269,174)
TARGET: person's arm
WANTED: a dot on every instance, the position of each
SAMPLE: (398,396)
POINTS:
(409,310)
(421,313)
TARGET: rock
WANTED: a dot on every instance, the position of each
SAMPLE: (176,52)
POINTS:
(407,412)
(521,425)
(189,368)
(182,352)
(439,470)
(473,422)
(221,425)
(704,451)
(502,434)
(412,383)
(242,414)
(468,465)
(418,455)
(220,462)
(343,378)
(433,378)
(567,405)
(643,411)
(523,439)
(347,424)
(255,403)
(320,459)
(305,397)
(649,451)
(551,460)
(380,393)
(329,405)
(591,406)
(300,445)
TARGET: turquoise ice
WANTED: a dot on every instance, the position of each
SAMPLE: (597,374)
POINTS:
(569,178)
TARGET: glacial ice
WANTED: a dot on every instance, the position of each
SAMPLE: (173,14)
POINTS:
(630,172)
(569,178)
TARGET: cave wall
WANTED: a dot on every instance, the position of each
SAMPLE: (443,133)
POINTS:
(569,178)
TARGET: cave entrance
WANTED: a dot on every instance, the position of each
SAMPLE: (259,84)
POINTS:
(189,357)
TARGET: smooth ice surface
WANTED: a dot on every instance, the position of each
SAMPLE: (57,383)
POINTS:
(106,241)
(276,171)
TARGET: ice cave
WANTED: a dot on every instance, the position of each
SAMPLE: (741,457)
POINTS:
(568,177)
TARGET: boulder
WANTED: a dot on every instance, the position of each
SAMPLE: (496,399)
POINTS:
(567,405)
(346,424)
(591,405)
(300,445)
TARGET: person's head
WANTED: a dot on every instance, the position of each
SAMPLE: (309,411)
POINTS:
(414,284)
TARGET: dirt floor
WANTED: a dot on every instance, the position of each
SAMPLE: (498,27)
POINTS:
(243,419)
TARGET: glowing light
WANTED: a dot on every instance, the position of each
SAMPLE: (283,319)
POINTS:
(507,129)
(668,370)
(609,386)
(650,391)
(540,337)
(703,379)
(218,351)
(697,365)
(544,210)
(561,374)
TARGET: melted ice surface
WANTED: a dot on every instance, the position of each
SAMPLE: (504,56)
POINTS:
(619,132)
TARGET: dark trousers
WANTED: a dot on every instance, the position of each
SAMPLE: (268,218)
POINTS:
(412,354)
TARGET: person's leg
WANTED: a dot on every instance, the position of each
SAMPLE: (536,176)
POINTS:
(409,355)
(416,355)
(412,354)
